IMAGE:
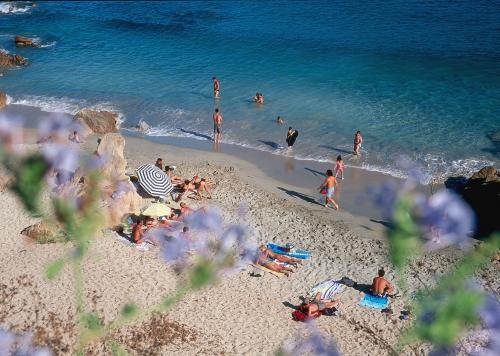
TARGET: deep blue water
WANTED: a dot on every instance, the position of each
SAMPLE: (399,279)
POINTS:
(420,78)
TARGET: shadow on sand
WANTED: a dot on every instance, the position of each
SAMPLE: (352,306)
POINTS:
(315,172)
(340,150)
(304,197)
(270,144)
(197,134)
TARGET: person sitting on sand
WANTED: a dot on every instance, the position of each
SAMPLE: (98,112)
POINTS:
(185,211)
(280,120)
(203,187)
(258,98)
(270,260)
(316,306)
(169,171)
(381,286)
(137,233)
(75,137)
(159,163)
(329,184)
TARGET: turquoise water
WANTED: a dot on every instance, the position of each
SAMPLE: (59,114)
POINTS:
(419,78)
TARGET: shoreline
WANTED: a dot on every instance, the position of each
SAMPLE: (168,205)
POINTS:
(286,176)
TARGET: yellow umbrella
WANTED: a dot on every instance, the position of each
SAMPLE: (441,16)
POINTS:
(157,209)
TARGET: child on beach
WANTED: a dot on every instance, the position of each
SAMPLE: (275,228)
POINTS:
(329,184)
(339,167)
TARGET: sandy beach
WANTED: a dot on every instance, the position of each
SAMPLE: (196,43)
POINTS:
(241,314)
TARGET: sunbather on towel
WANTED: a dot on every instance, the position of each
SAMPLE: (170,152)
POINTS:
(270,260)
(381,286)
(316,306)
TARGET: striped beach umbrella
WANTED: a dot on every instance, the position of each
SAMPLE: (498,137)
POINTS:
(154,181)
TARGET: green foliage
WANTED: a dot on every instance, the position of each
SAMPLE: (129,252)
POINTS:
(117,349)
(404,236)
(54,268)
(91,321)
(28,181)
(202,274)
(129,310)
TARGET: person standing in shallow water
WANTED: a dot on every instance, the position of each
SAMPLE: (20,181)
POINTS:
(217,117)
(216,87)
(358,140)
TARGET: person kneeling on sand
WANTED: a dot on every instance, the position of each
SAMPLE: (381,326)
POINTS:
(317,306)
(271,260)
(203,187)
(381,287)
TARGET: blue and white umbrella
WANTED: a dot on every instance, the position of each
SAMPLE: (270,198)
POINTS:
(154,181)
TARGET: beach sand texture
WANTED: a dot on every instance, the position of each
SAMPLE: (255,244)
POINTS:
(241,314)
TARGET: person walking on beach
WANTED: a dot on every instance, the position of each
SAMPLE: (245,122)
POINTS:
(358,140)
(329,184)
(339,167)
(216,87)
(217,117)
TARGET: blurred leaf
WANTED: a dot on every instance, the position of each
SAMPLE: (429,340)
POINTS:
(129,310)
(65,212)
(202,274)
(54,268)
(117,349)
(91,321)
(29,182)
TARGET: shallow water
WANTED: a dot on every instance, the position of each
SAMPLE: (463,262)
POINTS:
(417,78)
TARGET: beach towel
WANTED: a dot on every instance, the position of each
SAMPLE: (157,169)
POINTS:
(301,254)
(372,301)
(328,289)
(262,268)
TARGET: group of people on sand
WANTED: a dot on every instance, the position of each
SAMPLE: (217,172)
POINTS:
(199,187)
(315,307)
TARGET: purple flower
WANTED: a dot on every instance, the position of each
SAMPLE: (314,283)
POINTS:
(174,249)
(122,189)
(56,127)
(312,344)
(385,197)
(446,216)
(20,345)
(11,132)
(207,221)
(61,157)
(490,313)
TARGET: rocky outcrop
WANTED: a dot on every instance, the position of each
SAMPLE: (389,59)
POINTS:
(44,233)
(110,148)
(142,126)
(93,121)
(3,100)
(122,201)
(22,41)
(482,192)
(9,60)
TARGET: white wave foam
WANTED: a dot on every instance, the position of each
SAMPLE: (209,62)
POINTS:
(3,50)
(52,104)
(46,45)
(13,8)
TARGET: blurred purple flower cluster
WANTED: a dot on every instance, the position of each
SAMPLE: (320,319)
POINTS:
(20,345)
(490,319)
(312,344)
(203,233)
(443,218)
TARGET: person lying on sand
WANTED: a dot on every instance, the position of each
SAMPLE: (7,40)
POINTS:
(381,286)
(316,306)
(186,187)
(268,259)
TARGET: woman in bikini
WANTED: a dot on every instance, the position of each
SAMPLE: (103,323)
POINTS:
(270,260)
(316,306)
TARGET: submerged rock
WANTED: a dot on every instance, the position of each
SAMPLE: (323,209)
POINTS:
(22,41)
(93,121)
(142,126)
(11,60)
(482,192)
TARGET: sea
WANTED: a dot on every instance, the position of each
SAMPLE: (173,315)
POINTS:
(419,78)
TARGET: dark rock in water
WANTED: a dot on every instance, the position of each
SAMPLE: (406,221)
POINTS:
(22,41)
(8,60)
(93,121)
(482,193)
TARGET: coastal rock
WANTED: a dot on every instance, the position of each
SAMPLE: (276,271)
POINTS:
(9,60)
(93,121)
(143,126)
(44,233)
(482,192)
(3,100)
(111,149)
(22,41)
(122,202)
